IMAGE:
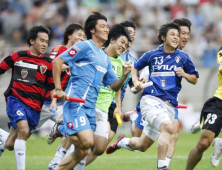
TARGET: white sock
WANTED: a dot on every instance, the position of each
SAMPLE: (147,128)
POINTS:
(161,164)
(20,153)
(219,141)
(168,160)
(3,136)
(71,149)
(133,117)
(81,165)
(124,143)
(61,152)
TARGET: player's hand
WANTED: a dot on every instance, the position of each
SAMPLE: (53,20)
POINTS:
(138,85)
(117,111)
(142,80)
(180,72)
(127,68)
(53,104)
(61,95)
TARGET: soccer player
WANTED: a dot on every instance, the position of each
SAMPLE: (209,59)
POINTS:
(167,67)
(185,28)
(73,33)
(32,72)
(90,66)
(215,157)
(210,121)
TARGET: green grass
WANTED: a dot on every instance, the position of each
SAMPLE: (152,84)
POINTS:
(39,154)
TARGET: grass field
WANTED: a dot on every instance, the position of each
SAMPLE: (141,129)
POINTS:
(39,154)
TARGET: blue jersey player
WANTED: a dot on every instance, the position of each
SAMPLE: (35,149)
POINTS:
(167,66)
(90,67)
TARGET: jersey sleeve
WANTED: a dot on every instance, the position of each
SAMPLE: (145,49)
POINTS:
(142,62)
(110,76)
(190,68)
(8,62)
(219,59)
(74,53)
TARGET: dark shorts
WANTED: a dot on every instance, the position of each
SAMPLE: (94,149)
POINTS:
(211,115)
(113,122)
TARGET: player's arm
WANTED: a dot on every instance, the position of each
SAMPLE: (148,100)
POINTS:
(118,109)
(65,67)
(191,78)
(54,100)
(219,60)
(7,63)
(136,82)
(118,83)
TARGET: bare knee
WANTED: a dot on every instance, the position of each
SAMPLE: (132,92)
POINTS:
(143,148)
(203,144)
(9,144)
(174,137)
(99,151)
(23,133)
(86,143)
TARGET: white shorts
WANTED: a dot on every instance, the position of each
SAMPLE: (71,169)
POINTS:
(102,124)
(46,114)
(155,111)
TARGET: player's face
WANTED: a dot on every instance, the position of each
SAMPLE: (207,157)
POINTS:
(184,36)
(101,30)
(78,35)
(172,38)
(132,33)
(40,44)
(120,45)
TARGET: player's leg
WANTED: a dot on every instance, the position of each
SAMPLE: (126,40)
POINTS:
(215,157)
(211,119)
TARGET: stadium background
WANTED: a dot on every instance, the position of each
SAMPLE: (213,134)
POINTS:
(18,16)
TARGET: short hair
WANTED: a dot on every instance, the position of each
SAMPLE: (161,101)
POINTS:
(33,33)
(183,22)
(91,22)
(129,23)
(115,32)
(165,28)
(70,29)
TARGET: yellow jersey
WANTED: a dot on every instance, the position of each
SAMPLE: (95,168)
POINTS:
(218,92)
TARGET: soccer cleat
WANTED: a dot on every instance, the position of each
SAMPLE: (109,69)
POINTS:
(52,166)
(195,128)
(126,116)
(54,132)
(112,148)
(215,157)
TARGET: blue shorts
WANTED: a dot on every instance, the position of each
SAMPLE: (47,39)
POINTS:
(17,110)
(139,120)
(77,118)
(176,114)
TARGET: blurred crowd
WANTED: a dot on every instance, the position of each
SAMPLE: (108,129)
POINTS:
(18,16)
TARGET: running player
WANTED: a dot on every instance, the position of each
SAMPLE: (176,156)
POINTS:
(89,66)
(32,72)
(167,67)
(211,123)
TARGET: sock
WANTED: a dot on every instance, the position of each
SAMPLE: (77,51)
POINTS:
(61,152)
(168,160)
(20,153)
(124,143)
(71,149)
(3,136)
(81,165)
(161,164)
(133,117)
(220,142)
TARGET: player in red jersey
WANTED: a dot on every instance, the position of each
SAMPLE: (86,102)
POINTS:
(72,34)
(31,74)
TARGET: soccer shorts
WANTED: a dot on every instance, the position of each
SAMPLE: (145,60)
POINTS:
(112,120)
(211,115)
(155,112)
(17,110)
(139,120)
(46,114)
(77,117)
(102,124)
(176,114)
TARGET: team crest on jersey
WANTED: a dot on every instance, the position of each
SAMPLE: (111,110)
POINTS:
(72,52)
(43,69)
(70,125)
(163,83)
(177,59)
(24,73)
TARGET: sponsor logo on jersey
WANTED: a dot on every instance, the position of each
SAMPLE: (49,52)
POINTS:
(70,125)
(163,67)
(54,53)
(43,69)
(163,83)
(24,73)
(52,57)
(72,52)
(177,59)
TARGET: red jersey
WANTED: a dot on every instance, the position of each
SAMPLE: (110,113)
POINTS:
(31,75)
(56,51)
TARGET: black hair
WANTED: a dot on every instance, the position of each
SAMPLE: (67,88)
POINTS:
(183,22)
(70,29)
(91,22)
(165,28)
(115,32)
(129,23)
(33,33)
